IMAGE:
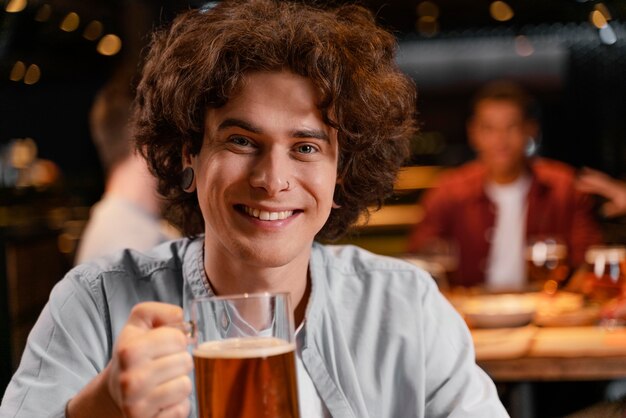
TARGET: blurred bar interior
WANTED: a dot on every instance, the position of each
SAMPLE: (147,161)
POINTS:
(55,54)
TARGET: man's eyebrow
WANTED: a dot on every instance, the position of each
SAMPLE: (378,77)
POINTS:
(238,123)
(298,133)
(311,133)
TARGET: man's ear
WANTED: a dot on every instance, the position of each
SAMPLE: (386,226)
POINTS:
(532,128)
(188,175)
(337,201)
(188,159)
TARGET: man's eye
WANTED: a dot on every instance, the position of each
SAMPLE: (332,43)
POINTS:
(240,140)
(306,149)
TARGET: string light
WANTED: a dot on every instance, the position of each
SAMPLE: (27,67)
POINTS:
(43,14)
(70,22)
(93,30)
(15,6)
(501,11)
(597,19)
(18,71)
(428,8)
(428,13)
(600,7)
(109,45)
(33,73)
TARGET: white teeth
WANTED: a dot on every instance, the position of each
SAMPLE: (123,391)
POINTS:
(267,216)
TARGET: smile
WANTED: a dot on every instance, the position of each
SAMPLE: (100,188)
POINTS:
(267,215)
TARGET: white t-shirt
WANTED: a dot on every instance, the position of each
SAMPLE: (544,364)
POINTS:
(506,267)
(311,405)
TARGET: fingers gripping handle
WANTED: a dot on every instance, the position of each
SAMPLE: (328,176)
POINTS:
(188,328)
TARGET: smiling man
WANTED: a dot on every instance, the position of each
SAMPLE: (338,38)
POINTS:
(270,126)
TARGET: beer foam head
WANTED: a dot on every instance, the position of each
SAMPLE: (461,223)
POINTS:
(253,347)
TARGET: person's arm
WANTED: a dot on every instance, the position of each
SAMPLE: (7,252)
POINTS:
(596,182)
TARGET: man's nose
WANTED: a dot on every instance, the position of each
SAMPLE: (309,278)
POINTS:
(271,172)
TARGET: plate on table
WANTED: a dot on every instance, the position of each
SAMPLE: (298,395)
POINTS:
(565,309)
(499,311)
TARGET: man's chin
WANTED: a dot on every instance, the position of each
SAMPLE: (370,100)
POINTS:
(268,256)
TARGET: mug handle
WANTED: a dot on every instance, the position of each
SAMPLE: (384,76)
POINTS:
(189,328)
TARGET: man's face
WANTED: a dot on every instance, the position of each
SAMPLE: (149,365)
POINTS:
(499,133)
(266,171)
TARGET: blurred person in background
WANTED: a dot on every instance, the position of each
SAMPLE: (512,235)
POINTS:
(129,213)
(270,126)
(491,207)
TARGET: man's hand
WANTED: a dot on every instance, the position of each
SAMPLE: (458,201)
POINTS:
(596,182)
(148,372)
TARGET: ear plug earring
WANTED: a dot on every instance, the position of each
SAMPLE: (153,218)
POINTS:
(186,181)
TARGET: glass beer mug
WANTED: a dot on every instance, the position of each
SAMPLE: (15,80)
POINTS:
(244,357)
(605,274)
(546,260)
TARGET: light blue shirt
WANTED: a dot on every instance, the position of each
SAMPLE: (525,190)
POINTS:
(380,340)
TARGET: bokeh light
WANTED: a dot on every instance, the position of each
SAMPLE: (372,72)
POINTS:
(33,74)
(70,22)
(15,6)
(93,30)
(18,71)
(109,45)
(597,19)
(501,11)
(44,13)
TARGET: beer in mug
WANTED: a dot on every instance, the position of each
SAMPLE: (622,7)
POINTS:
(244,357)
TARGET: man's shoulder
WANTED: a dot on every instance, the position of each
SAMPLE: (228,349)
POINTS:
(553,172)
(168,256)
(352,264)
(460,183)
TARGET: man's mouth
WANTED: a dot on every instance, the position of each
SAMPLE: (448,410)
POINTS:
(265,215)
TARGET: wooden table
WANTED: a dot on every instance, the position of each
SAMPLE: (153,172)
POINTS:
(572,353)
(521,356)
(555,368)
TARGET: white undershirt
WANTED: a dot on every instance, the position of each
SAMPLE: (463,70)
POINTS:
(506,267)
(311,405)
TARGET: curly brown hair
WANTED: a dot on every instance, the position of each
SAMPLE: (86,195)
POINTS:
(201,60)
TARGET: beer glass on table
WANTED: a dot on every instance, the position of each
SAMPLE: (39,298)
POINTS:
(244,357)
(547,263)
(605,273)
(604,282)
